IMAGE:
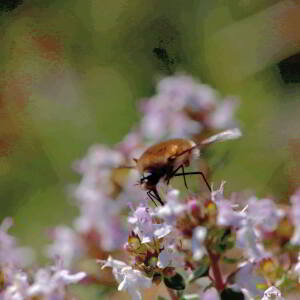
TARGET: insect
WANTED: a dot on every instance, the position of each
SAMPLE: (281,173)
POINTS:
(165,160)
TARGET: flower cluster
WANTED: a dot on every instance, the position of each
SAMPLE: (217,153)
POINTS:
(106,191)
(202,245)
(17,282)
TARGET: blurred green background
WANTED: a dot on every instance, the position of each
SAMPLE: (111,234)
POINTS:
(73,71)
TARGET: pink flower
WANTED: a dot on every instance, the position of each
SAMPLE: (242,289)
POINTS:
(144,226)
(67,245)
(269,215)
(10,253)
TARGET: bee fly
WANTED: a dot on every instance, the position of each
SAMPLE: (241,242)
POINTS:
(164,160)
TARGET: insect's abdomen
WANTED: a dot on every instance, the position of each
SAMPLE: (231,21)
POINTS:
(159,154)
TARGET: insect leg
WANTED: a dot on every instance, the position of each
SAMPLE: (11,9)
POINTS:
(183,174)
(196,173)
(172,174)
(182,167)
(151,197)
(156,196)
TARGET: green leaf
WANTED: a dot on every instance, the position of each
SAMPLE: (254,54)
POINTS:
(224,240)
(230,294)
(175,282)
(201,271)
(230,260)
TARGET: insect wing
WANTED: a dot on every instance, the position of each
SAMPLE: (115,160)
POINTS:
(230,134)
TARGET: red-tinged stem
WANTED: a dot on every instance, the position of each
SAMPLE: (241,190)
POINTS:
(172,294)
(214,259)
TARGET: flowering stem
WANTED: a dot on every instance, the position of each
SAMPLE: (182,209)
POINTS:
(172,294)
(214,259)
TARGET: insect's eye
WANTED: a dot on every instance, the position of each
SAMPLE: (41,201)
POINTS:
(146,177)
(143,180)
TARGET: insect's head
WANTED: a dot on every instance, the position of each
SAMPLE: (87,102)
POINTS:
(149,180)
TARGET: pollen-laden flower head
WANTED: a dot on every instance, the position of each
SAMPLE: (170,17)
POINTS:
(268,268)
(147,227)
(152,245)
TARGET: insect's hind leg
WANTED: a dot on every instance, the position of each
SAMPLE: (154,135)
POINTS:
(195,173)
(181,174)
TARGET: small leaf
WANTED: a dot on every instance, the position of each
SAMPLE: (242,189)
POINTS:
(224,240)
(231,260)
(200,272)
(161,298)
(230,294)
(175,282)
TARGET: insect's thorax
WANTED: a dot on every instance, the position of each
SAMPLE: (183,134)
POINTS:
(160,161)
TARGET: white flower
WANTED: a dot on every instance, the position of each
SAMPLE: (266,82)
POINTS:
(101,214)
(218,195)
(227,216)
(132,281)
(295,212)
(172,207)
(66,245)
(269,215)
(129,279)
(169,257)
(272,293)
(222,117)
(144,226)
(51,282)
(116,265)
(198,248)
(297,267)
(10,253)
(246,279)
(247,238)
(17,290)
(165,114)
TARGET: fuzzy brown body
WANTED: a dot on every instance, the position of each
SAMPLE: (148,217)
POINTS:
(163,158)
(165,153)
